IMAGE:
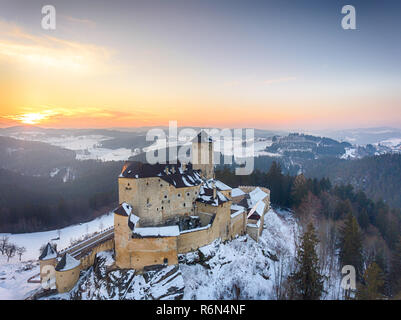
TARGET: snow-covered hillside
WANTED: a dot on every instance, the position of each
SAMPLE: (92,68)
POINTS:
(237,269)
(241,268)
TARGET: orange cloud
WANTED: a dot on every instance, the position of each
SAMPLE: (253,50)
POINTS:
(16,44)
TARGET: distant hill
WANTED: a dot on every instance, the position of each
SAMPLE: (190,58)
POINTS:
(33,158)
(378,176)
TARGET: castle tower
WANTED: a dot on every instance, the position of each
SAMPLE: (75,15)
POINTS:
(67,273)
(202,155)
(47,262)
(122,234)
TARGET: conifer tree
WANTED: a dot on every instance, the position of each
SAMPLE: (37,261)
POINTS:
(372,283)
(350,245)
(395,272)
(274,180)
(299,189)
(306,283)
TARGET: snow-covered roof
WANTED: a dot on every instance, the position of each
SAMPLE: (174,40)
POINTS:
(257,211)
(236,210)
(206,196)
(236,192)
(255,195)
(67,262)
(167,231)
(218,184)
(123,209)
(48,253)
(132,221)
(172,173)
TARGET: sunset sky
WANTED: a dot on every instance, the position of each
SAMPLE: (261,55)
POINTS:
(266,64)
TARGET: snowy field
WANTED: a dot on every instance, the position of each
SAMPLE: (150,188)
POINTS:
(87,147)
(13,277)
(33,241)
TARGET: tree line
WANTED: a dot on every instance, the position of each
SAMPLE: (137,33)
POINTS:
(340,223)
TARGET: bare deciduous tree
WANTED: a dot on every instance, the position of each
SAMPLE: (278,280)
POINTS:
(10,251)
(20,252)
(3,244)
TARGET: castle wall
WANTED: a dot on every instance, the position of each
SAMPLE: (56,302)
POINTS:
(238,225)
(66,280)
(147,251)
(89,259)
(192,240)
(204,217)
(155,201)
(253,232)
(220,228)
(122,236)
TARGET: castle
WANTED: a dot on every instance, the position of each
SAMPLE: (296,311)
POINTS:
(165,210)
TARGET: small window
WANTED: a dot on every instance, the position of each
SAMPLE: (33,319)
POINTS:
(188,194)
(165,196)
(165,261)
(196,192)
(179,195)
(147,200)
(161,185)
(162,208)
(184,204)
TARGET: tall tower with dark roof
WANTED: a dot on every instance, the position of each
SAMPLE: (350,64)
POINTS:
(202,154)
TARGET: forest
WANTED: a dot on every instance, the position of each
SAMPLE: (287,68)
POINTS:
(339,223)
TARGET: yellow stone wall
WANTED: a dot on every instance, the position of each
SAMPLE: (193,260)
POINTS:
(122,235)
(149,251)
(89,259)
(238,225)
(155,201)
(253,232)
(191,241)
(66,280)
(221,228)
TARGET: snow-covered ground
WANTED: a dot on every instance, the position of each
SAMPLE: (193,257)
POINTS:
(394,144)
(86,146)
(33,241)
(350,153)
(241,268)
(13,276)
(237,269)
